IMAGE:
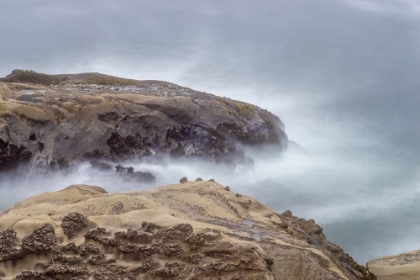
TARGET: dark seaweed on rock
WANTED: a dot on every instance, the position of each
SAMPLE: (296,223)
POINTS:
(56,121)
(11,156)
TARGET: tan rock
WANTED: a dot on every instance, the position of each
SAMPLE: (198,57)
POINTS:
(60,119)
(195,230)
(405,266)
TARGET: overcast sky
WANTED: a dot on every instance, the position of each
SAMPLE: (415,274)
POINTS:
(343,75)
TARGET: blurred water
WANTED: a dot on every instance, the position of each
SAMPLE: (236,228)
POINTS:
(352,212)
(342,75)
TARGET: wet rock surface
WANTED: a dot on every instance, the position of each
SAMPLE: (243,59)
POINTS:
(194,230)
(55,121)
(11,156)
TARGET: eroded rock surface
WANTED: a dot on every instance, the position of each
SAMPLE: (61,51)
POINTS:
(194,230)
(53,121)
(73,223)
(404,266)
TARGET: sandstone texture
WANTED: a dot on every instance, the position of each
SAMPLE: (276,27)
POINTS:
(195,230)
(53,121)
(405,266)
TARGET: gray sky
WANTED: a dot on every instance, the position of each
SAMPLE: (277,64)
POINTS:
(343,76)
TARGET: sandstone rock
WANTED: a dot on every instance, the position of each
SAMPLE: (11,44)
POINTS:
(135,236)
(70,248)
(7,238)
(117,208)
(404,266)
(281,225)
(170,237)
(287,213)
(73,223)
(127,173)
(71,118)
(42,240)
(148,227)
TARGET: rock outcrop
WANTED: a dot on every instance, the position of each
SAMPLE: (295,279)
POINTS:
(194,230)
(73,223)
(405,266)
(55,120)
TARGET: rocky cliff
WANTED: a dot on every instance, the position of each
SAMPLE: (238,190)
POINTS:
(405,266)
(194,230)
(55,120)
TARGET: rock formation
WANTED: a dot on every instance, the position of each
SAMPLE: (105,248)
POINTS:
(55,120)
(195,230)
(405,266)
